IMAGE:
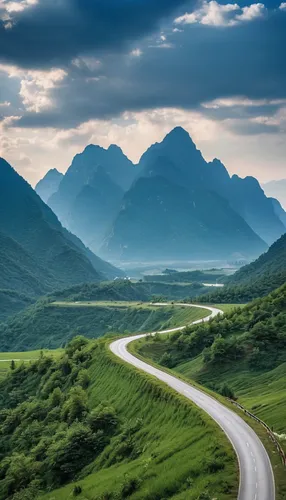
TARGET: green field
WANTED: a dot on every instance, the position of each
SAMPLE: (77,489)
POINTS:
(22,357)
(52,324)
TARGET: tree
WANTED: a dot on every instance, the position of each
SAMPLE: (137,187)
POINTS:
(13,365)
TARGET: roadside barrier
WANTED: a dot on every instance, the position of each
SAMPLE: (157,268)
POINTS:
(269,431)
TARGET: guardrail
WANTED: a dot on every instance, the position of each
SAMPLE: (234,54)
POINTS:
(269,431)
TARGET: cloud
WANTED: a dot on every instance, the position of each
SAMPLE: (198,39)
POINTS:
(215,14)
(35,85)
(203,64)
(53,32)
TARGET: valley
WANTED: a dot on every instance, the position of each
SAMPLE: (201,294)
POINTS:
(176,238)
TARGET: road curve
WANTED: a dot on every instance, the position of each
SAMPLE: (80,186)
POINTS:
(256,475)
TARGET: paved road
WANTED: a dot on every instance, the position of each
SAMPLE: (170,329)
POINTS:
(256,475)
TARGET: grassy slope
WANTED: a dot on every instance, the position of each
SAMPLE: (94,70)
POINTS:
(48,325)
(261,393)
(183,453)
(259,387)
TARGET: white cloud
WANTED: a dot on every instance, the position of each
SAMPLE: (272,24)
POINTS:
(242,101)
(11,7)
(283,6)
(5,104)
(254,11)
(214,14)
(35,85)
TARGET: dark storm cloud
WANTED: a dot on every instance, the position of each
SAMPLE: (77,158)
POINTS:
(204,63)
(53,32)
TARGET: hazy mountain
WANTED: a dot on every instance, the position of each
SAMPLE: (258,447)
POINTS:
(176,209)
(81,173)
(248,199)
(279,210)
(49,185)
(37,253)
(160,219)
(95,208)
(276,189)
(245,196)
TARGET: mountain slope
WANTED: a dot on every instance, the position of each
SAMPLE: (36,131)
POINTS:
(81,173)
(245,196)
(48,252)
(248,199)
(94,209)
(257,279)
(49,185)
(269,264)
(279,210)
(164,217)
(276,189)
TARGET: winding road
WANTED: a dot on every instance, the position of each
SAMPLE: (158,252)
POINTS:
(256,474)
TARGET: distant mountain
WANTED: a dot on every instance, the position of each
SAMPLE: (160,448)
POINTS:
(162,220)
(276,189)
(248,199)
(245,196)
(175,210)
(49,185)
(81,173)
(279,210)
(37,253)
(95,208)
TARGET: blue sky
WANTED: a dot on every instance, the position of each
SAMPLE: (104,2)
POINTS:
(79,71)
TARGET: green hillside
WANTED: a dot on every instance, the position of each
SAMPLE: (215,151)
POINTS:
(127,290)
(48,324)
(255,280)
(12,302)
(242,354)
(74,426)
(37,254)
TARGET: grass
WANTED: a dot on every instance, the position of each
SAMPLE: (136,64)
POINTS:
(52,325)
(178,451)
(22,357)
(261,393)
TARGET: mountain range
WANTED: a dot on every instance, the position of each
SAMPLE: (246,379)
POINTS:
(37,253)
(172,205)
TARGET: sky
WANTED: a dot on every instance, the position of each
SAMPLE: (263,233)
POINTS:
(75,72)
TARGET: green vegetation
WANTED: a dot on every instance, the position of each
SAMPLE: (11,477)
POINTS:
(208,276)
(255,280)
(127,290)
(242,354)
(15,359)
(12,302)
(75,423)
(51,325)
